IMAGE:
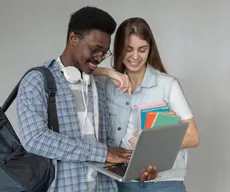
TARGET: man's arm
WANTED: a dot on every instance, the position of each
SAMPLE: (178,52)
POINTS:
(36,138)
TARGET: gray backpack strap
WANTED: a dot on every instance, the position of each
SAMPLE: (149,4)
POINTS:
(50,88)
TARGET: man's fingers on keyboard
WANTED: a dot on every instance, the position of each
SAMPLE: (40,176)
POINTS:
(124,160)
(127,152)
(126,156)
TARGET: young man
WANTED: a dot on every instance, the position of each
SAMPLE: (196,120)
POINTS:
(81,108)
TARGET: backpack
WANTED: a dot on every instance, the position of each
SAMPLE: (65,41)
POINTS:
(21,171)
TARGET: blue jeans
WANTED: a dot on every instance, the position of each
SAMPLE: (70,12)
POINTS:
(162,186)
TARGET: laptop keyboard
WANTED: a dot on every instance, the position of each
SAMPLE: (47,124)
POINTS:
(118,169)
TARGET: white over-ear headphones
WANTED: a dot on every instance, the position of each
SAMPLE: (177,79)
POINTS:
(86,78)
(73,75)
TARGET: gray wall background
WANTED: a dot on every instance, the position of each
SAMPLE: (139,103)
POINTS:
(193,38)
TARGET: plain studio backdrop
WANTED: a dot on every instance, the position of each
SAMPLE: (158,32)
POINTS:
(193,38)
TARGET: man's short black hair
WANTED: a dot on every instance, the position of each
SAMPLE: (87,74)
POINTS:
(89,18)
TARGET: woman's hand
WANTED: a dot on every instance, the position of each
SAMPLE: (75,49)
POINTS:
(120,80)
(133,140)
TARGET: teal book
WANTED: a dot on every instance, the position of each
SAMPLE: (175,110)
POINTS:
(164,119)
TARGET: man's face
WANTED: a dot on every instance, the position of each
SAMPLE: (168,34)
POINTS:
(89,50)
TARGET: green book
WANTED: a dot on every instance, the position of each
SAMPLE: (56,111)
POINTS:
(164,119)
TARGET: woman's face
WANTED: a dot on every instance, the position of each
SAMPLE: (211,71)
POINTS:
(136,54)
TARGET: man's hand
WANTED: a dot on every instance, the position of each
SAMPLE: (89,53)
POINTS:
(149,175)
(118,155)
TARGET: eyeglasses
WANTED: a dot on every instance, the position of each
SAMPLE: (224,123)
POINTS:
(96,53)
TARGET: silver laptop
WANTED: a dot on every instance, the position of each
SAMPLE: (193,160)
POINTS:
(156,146)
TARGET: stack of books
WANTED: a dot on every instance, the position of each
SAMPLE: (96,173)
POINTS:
(155,115)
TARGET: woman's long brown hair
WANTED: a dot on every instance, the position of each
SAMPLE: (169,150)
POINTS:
(136,26)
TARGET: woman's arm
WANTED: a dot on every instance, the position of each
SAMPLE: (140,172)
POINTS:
(120,80)
(180,106)
(191,138)
(102,71)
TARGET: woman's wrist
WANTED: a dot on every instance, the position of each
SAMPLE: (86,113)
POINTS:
(109,72)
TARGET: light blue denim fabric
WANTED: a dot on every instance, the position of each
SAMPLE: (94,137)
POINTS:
(155,87)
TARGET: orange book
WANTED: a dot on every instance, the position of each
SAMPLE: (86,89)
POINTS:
(150,116)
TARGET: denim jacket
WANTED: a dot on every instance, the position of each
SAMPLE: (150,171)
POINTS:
(155,87)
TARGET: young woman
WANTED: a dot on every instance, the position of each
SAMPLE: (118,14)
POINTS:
(136,56)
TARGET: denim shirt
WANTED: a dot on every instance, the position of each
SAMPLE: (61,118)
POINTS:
(155,87)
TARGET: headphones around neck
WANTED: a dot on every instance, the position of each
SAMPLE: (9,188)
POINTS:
(73,75)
